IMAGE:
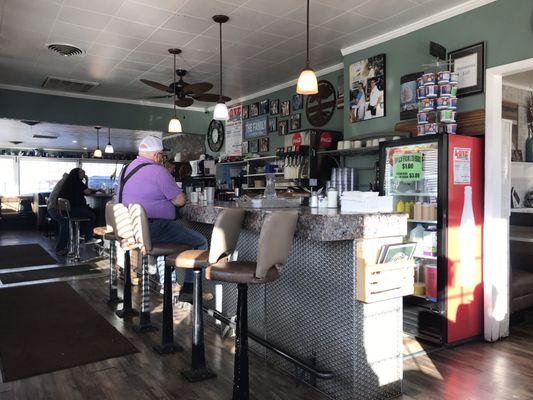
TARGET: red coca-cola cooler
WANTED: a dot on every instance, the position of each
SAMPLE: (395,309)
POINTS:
(438,181)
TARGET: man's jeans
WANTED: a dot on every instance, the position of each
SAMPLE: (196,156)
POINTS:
(62,236)
(167,231)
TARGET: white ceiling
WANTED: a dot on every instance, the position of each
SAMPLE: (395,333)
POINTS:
(523,80)
(125,40)
(123,140)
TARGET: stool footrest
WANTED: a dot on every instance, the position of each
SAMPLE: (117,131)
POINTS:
(197,375)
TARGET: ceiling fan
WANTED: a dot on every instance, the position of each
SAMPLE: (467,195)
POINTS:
(185,93)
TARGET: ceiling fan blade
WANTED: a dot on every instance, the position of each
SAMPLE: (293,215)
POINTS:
(198,88)
(156,85)
(157,97)
(210,97)
(186,102)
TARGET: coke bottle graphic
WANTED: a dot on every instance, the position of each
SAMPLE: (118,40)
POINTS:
(467,242)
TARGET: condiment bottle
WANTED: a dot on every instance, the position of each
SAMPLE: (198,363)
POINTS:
(400,207)
(332,198)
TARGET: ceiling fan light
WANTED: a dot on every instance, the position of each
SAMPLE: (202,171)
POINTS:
(221,112)
(97,153)
(174,126)
(307,82)
(109,149)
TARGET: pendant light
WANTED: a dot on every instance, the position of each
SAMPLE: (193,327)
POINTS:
(307,83)
(221,110)
(174,126)
(109,148)
(97,153)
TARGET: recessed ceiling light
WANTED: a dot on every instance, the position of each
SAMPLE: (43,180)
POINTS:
(74,141)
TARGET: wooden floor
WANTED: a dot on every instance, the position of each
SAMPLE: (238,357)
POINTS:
(502,370)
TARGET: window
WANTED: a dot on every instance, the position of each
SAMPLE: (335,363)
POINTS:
(8,177)
(102,175)
(41,175)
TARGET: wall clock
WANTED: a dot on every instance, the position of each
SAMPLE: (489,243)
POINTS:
(215,135)
(320,107)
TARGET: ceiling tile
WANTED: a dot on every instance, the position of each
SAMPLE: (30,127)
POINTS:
(249,19)
(274,7)
(102,6)
(102,50)
(66,30)
(204,43)
(189,55)
(148,58)
(285,27)
(129,28)
(272,55)
(206,8)
(30,9)
(241,50)
(84,18)
(325,52)
(291,46)
(184,23)
(116,40)
(168,5)
(263,39)
(155,48)
(320,35)
(389,9)
(318,13)
(341,4)
(229,32)
(207,68)
(171,38)
(141,13)
(349,22)
(135,66)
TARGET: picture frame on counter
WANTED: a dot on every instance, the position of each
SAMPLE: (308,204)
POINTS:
(254,110)
(285,109)
(274,107)
(367,88)
(408,99)
(272,124)
(283,127)
(245,112)
(263,107)
(253,146)
(469,63)
(297,102)
(245,149)
(263,145)
(295,122)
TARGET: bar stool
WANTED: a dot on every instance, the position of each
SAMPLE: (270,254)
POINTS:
(124,235)
(223,243)
(63,206)
(274,244)
(141,230)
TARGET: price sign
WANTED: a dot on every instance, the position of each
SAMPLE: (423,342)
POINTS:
(407,167)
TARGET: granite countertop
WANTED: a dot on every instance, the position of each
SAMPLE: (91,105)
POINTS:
(314,224)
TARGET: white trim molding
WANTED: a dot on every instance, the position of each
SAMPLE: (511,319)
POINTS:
(95,97)
(415,26)
(281,86)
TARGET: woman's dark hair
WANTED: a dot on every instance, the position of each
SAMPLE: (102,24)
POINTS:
(185,171)
(71,184)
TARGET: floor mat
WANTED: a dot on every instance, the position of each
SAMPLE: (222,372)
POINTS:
(48,273)
(24,255)
(49,327)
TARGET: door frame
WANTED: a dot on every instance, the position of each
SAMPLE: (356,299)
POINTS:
(496,266)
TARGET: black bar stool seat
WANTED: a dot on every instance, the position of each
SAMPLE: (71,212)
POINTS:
(239,272)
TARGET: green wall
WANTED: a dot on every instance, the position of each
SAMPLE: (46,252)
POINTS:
(506,27)
(76,111)
(335,124)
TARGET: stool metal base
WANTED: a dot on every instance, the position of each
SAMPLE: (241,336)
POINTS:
(167,349)
(132,312)
(197,375)
(113,297)
(145,324)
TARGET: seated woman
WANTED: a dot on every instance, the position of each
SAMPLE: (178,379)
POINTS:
(74,190)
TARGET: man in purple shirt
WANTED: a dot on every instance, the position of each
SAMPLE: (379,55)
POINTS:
(148,183)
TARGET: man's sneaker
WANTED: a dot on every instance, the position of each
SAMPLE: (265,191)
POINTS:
(186,294)
(62,252)
(92,241)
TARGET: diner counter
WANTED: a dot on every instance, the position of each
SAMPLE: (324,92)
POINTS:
(314,224)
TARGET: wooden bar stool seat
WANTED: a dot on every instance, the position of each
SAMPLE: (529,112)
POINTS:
(274,244)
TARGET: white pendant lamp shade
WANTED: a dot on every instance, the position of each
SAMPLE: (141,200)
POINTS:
(221,112)
(174,126)
(307,82)
(97,153)
(109,148)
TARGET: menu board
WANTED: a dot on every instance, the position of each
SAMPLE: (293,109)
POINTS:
(255,127)
(234,131)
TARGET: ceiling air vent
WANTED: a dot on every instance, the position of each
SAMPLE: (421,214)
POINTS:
(44,137)
(65,49)
(69,85)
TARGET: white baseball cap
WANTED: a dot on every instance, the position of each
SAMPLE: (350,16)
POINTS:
(151,143)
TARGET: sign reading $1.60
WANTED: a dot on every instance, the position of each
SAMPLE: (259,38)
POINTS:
(407,167)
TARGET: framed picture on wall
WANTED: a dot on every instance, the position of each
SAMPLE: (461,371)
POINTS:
(367,88)
(408,100)
(245,112)
(274,107)
(283,127)
(263,145)
(297,102)
(296,122)
(244,147)
(263,107)
(469,63)
(285,108)
(272,124)
(253,146)
(254,110)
